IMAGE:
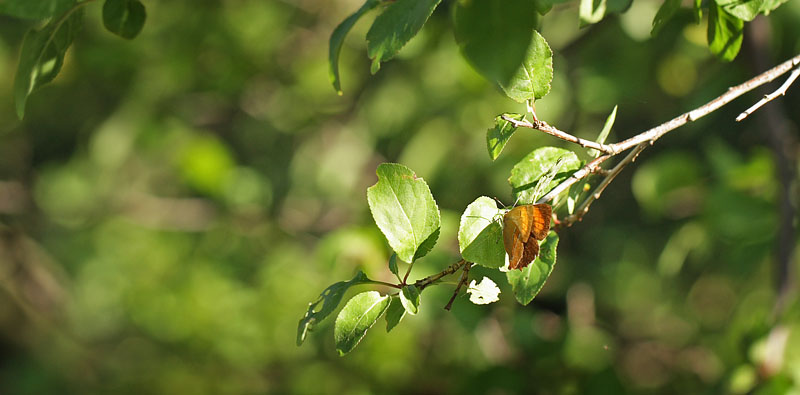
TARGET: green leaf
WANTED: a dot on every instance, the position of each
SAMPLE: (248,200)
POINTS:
(394,313)
(409,298)
(337,40)
(484,293)
(35,9)
(124,18)
(494,36)
(724,33)
(591,11)
(404,210)
(664,14)
(532,79)
(498,136)
(357,316)
(393,28)
(393,266)
(749,9)
(42,56)
(527,172)
(601,138)
(330,299)
(698,11)
(480,236)
(526,283)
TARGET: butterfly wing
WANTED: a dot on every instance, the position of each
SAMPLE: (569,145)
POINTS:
(516,232)
(530,251)
(540,215)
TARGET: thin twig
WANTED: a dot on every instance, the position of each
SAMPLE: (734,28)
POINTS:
(464,278)
(553,131)
(767,98)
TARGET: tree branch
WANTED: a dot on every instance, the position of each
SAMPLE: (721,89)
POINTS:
(424,282)
(646,138)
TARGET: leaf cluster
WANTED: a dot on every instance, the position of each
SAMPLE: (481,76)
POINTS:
(57,24)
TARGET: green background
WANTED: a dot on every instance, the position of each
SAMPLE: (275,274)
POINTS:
(171,204)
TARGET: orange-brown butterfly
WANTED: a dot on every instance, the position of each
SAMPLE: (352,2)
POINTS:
(523,227)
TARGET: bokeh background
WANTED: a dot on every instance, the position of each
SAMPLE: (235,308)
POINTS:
(171,204)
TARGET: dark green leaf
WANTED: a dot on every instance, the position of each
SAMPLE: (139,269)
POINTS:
(337,39)
(35,9)
(357,316)
(529,170)
(124,18)
(724,33)
(42,56)
(748,9)
(698,11)
(394,313)
(498,136)
(330,299)
(527,282)
(494,36)
(404,210)
(532,79)
(665,13)
(393,28)
(618,6)
(393,266)
(409,298)
(480,236)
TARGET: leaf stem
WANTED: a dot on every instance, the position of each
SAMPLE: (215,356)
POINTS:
(384,283)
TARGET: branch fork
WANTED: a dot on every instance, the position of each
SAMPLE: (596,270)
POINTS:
(641,141)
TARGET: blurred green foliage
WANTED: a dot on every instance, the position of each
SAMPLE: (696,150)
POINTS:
(171,204)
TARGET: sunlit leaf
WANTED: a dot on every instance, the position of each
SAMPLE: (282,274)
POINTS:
(409,298)
(532,79)
(484,292)
(330,299)
(494,36)
(404,210)
(124,18)
(42,56)
(393,28)
(480,236)
(749,9)
(527,282)
(527,172)
(356,317)
(601,138)
(724,33)
(591,11)
(498,136)
(337,39)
